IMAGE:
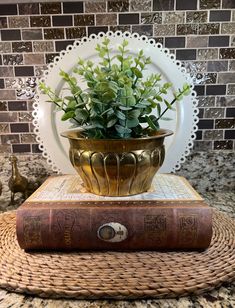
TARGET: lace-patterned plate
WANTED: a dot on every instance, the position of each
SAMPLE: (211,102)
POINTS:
(48,125)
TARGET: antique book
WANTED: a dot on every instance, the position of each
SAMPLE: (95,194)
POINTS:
(62,215)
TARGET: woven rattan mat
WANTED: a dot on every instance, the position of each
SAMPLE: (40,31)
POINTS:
(117,275)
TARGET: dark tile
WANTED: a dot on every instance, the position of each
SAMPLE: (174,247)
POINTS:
(216,90)
(63,20)
(122,28)
(3,106)
(8,9)
(9,139)
(200,90)
(186,54)
(3,22)
(185,29)
(22,46)
(218,41)
(78,32)
(62,45)
(35,148)
(196,17)
(2,84)
(10,35)
(143,29)
(118,6)
(225,123)
(228,4)
(223,145)
(220,15)
(163,5)
(227,53)
(19,127)
(210,78)
(50,57)
(214,113)
(209,4)
(201,113)
(140,5)
(229,134)
(0,59)
(73,7)
(24,71)
(106,19)
(230,112)
(231,89)
(21,148)
(40,21)
(86,20)
(53,33)
(205,124)
(17,105)
(96,30)
(32,34)
(212,28)
(128,19)
(199,135)
(225,101)
(175,42)
(217,66)
(151,18)
(28,8)
(186,5)
(50,8)
(213,134)
(199,145)
(206,101)
(8,117)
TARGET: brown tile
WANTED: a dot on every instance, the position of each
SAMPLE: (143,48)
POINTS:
(22,46)
(214,113)
(19,127)
(212,28)
(3,106)
(7,94)
(32,34)
(207,54)
(40,21)
(185,29)
(151,18)
(202,145)
(196,17)
(21,148)
(106,19)
(28,8)
(2,85)
(3,22)
(225,101)
(143,29)
(4,128)
(18,22)
(5,47)
(62,45)
(228,28)
(231,89)
(140,5)
(217,66)
(5,148)
(197,41)
(164,30)
(173,17)
(223,145)
(227,53)
(209,4)
(225,123)
(86,20)
(95,7)
(53,33)
(76,32)
(50,57)
(6,71)
(39,70)
(118,6)
(17,105)
(214,134)
(226,78)
(50,8)
(228,4)
(8,117)
(232,40)
(9,139)
(35,148)
(231,66)
(62,20)
(33,58)
(122,28)
(28,138)
(12,59)
(43,46)
(206,101)
(163,5)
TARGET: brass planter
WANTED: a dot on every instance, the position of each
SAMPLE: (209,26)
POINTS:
(117,167)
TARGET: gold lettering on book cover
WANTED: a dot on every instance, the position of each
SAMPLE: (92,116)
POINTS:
(32,230)
(188,228)
(155,227)
(66,221)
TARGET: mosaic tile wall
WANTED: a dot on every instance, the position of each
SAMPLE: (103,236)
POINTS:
(200,32)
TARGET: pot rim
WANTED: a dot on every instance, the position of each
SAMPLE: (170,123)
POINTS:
(71,134)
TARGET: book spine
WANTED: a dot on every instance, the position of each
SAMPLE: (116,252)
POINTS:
(114,228)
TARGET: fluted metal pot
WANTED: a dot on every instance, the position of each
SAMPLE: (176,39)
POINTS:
(117,167)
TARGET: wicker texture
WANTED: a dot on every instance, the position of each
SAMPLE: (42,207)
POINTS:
(117,275)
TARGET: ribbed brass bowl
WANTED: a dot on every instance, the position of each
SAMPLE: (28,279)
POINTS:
(117,167)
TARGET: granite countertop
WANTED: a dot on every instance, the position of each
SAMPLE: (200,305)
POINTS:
(223,296)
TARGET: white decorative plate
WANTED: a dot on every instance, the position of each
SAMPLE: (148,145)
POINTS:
(47,122)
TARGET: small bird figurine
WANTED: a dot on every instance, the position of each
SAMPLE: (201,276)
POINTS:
(17,182)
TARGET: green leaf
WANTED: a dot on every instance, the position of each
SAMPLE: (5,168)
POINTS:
(112,122)
(122,130)
(167,104)
(81,114)
(137,72)
(135,113)
(120,115)
(132,122)
(151,120)
(67,115)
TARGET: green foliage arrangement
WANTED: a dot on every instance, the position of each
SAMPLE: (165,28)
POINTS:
(118,101)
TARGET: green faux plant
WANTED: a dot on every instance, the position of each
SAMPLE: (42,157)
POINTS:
(119,100)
